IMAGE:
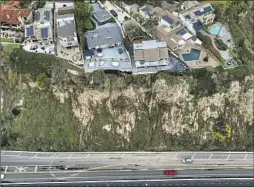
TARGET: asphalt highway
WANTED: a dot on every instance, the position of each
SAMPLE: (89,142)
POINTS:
(126,167)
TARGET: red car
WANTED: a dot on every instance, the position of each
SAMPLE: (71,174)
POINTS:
(170,172)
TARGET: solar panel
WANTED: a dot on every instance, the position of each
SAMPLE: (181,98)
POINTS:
(205,10)
(181,32)
(198,26)
(168,19)
(37,16)
(27,31)
(47,15)
(31,30)
(44,32)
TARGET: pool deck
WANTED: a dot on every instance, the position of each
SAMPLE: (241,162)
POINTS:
(212,62)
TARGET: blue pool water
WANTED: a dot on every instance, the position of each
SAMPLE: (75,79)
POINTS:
(217,29)
(194,54)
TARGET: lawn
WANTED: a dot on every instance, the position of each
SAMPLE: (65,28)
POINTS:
(88,24)
(9,40)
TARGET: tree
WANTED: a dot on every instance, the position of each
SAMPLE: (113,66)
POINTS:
(82,10)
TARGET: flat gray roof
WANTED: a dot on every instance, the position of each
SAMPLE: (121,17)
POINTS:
(107,35)
(102,15)
(66,30)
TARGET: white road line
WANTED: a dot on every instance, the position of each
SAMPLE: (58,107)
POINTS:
(210,156)
(70,156)
(193,155)
(5,169)
(87,155)
(19,153)
(122,155)
(35,155)
(35,170)
(105,155)
(228,156)
(53,155)
(245,156)
(175,156)
(157,156)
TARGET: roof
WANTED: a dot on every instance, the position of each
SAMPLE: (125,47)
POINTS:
(102,15)
(10,12)
(167,16)
(65,10)
(107,35)
(189,4)
(203,11)
(150,50)
(66,29)
(148,9)
(198,11)
(172,39)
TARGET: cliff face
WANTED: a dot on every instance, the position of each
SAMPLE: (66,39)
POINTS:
(165,115)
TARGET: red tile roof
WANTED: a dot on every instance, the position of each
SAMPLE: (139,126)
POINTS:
(10,12)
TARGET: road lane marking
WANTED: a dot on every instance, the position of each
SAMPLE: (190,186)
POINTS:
(35,155)
(19,153)
(193,156)
(228,156)
(245,156)
(157,156)
(175,156)
(53,155)
(105,155)
(87,155)
(210,156)
(122,155)
(5,169)
(35,170)
(70,156)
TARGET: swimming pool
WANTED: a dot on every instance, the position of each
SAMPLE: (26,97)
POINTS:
(194,54)
(217,29)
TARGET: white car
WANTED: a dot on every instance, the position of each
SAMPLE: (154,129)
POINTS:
(2,176)
(187,160)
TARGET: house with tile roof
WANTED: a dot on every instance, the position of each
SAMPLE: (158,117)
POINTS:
(12,16)
(150,53)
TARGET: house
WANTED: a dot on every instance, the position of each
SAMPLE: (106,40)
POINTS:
(189,4)
(150,53)
(42,28)
(108,36)
(12,16)
(63,4)
(204,13)
(147,11)
(101,15)
(130,8)
(167,18)
(66,30)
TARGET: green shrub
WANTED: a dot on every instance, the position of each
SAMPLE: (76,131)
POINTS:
(220,44)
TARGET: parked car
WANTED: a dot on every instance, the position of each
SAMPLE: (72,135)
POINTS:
(187,160)
(113,13)
(120,50)
(2,176)
(170,172)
